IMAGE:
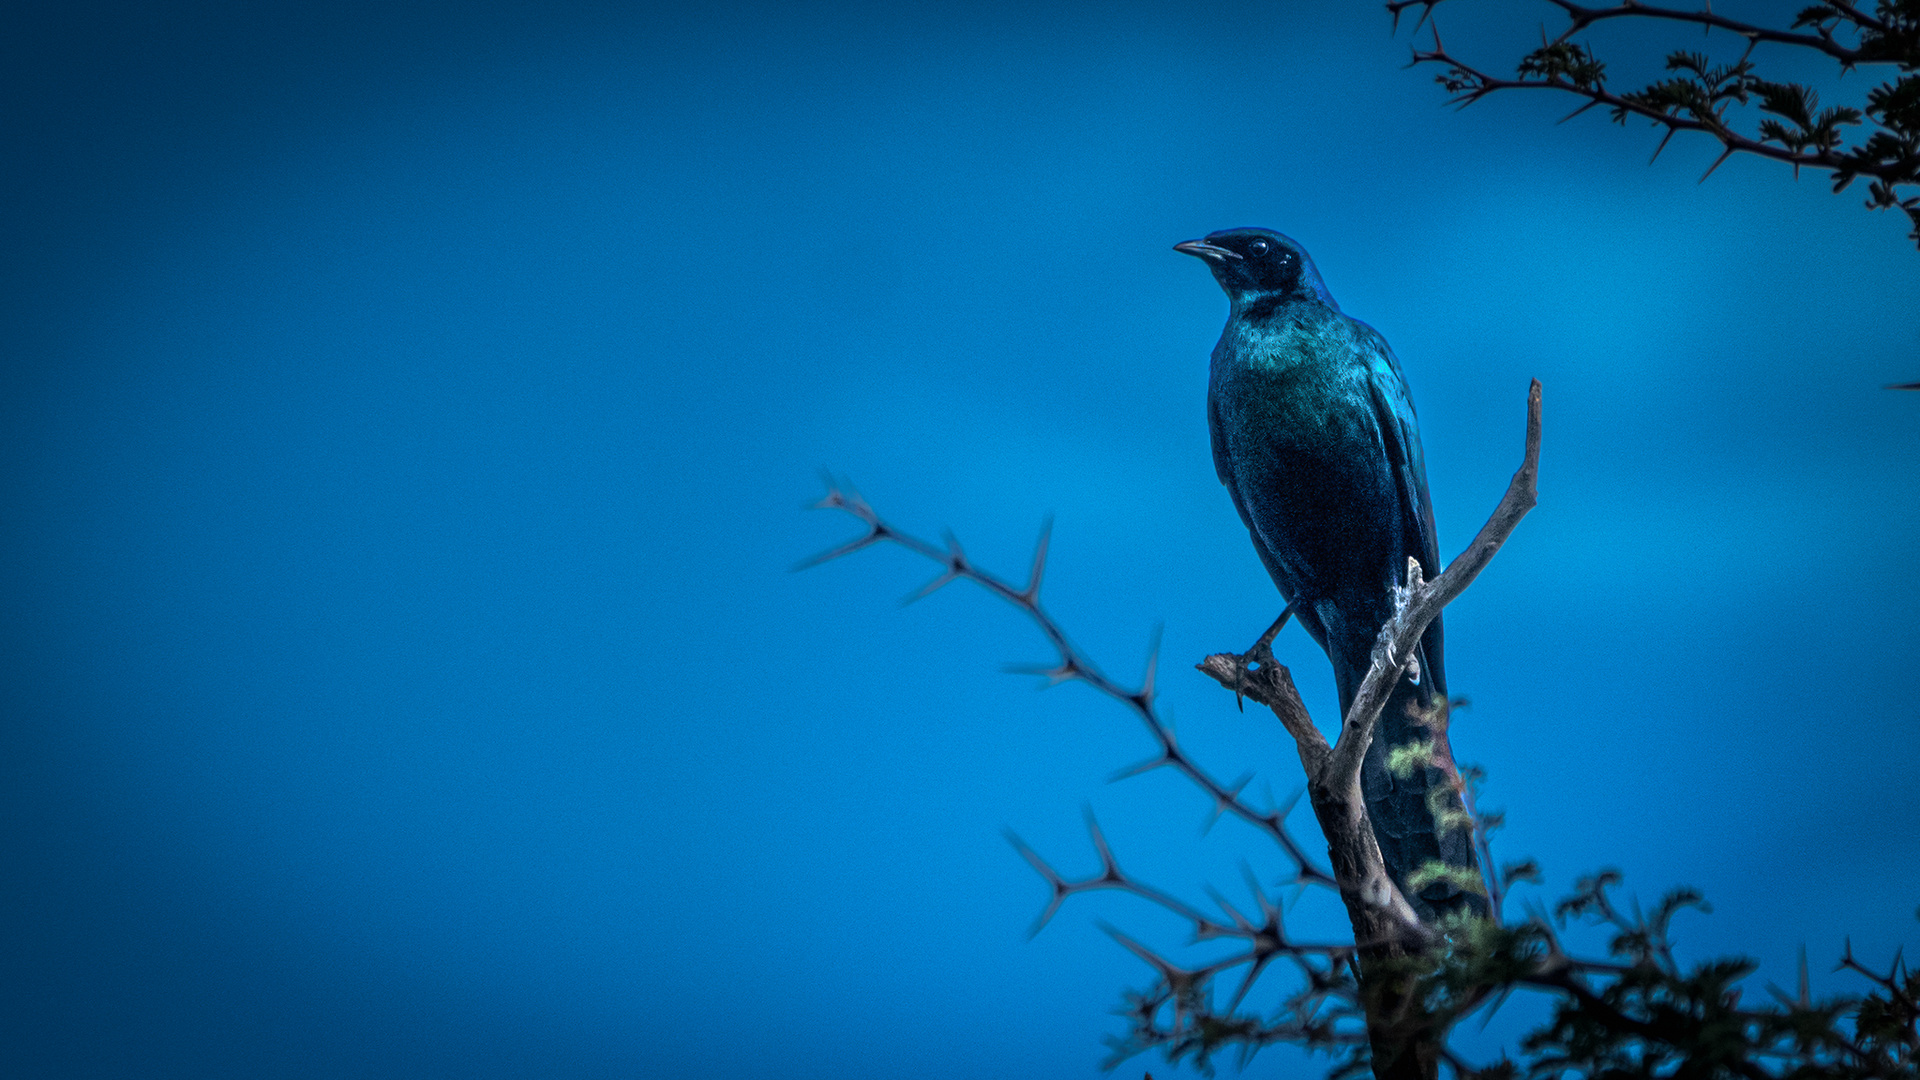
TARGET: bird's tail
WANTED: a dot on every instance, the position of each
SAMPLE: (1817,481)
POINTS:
(1413,794)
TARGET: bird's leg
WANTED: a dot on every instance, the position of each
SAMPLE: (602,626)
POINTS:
(1261,652)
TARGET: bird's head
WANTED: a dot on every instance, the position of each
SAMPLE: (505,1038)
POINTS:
(1259,264)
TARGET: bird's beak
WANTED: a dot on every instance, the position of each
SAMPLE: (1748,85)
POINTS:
(1206,251)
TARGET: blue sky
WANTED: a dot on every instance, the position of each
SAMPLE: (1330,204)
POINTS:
(409,410)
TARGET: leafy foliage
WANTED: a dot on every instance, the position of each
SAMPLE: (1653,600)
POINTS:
(1639,1014)
(1699,96)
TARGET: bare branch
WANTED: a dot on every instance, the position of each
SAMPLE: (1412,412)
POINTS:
(1072,665)
(1272,685)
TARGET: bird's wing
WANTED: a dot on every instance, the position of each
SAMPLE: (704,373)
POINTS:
(1223,468)
(1400,436)
(1222,463)
(1284,572)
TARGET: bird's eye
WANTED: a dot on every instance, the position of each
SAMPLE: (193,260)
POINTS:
(1258,247)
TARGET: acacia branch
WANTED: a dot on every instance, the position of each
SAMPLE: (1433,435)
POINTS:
(1579,18)
(1798,133)
(1475,84)
(1072,665)
(1322,1014)
(1582,17)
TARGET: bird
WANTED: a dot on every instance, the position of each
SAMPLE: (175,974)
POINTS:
(1315,438)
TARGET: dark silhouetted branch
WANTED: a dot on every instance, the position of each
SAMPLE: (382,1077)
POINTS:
(1795,130)
(1071,666)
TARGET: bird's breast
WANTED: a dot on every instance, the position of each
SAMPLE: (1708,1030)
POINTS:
(1290,386)
(1303,454)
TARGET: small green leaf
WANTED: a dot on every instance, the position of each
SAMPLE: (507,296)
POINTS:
(1402,760)
(1461,877)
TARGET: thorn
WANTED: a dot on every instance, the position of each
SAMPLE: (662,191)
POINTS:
(853,498)
(844,549)
(1806,1000)
(1220,802)
(1032,593)
(1497,1002)
(1253,972)
(1293,800)
(1055,674)
(1059,884)
(1146,766)
(832,498)
(1145,696)
(1716,164)
(1176,978)
(1267,910)
(1663,145)
(1109,865)
(929,588)
(1053,907)
(1239,921)
(1577,112)
(956,558)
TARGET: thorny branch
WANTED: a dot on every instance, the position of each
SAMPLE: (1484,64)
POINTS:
(1580,18)
(1325,1011)
(1072,665)
(1699,97)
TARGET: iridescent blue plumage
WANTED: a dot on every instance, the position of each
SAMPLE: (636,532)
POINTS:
(1315,438)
